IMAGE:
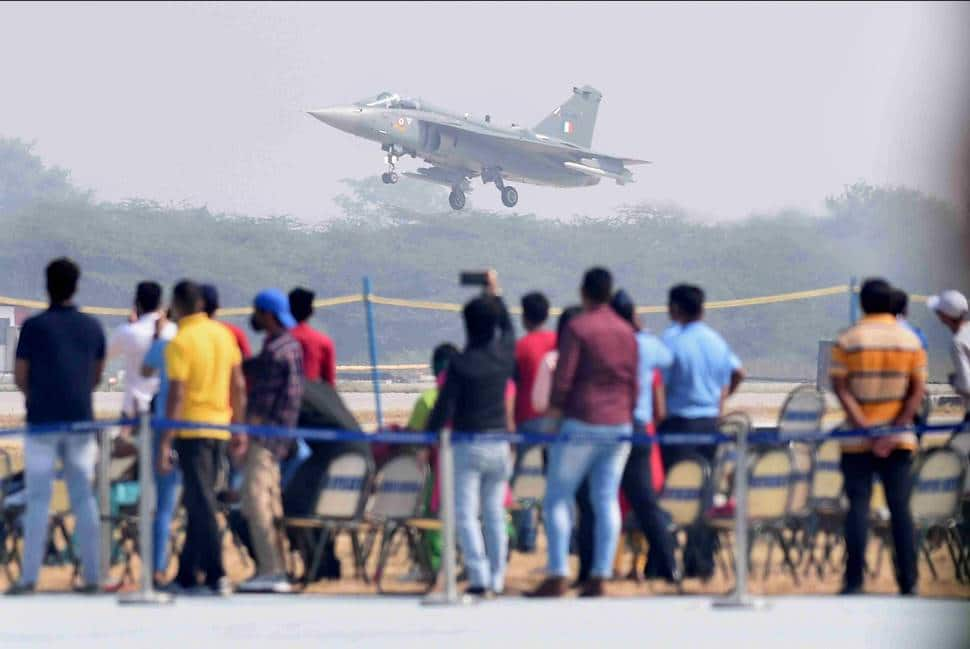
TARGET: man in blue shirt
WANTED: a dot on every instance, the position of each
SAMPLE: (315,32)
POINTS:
(704,372)
(60,359)
(637,483)
(166,484)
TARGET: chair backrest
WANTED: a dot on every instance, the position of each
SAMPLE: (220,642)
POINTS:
(60,498)
(398,488)
(802,413)
(802,478)
(685,489)
(529,480)
(878,505)
(733,422)
(725,461)
(770,485)
(344,490)
(120,466)
(938,485)
(960,442)
(827,479)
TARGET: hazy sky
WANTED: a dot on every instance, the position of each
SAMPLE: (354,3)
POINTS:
(742,107)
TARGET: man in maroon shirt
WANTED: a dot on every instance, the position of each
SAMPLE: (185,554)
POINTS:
(319,358)
(594,393)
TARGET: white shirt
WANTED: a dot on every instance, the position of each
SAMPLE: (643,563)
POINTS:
(542,388)
(960,351)
(131,341)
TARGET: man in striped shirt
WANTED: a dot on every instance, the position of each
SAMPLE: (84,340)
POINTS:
(879,373)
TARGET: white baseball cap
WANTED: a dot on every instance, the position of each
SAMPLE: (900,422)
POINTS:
(950,303)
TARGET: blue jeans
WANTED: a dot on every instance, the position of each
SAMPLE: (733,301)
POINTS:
(78,453)
(600,460)
(166,494)
(482,471)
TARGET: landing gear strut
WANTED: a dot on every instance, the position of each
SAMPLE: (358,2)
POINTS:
(390,177)
(510,196)
(456,198)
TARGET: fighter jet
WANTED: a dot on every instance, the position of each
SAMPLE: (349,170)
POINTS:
(460,147)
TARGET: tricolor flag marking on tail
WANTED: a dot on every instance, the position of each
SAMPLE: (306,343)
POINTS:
(567,127)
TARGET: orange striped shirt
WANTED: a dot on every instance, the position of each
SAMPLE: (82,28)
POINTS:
(880,358)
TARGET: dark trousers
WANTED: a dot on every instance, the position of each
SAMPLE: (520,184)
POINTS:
(584,530)
(895,473)
(199,460)
(637,486)
(699,550)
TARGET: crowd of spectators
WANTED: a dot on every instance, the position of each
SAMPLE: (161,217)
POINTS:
(597,379)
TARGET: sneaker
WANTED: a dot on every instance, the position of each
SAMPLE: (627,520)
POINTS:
(551,587)
(223,587)
(88,589)
(172,588)
(851,590)
(594,587)
(19,589)
(266,584)
(480,592)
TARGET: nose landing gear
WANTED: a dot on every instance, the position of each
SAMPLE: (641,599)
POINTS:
(390,177)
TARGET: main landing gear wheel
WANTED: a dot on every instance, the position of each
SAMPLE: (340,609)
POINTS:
(510,196)
(389,177)
(456,199)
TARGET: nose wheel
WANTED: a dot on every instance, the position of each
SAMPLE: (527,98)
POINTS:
(456,199)
(510,196)
(390,177)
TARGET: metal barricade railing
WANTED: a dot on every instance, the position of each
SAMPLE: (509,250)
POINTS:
(739,597)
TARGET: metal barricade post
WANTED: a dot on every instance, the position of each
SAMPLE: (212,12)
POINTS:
(372,347)
(146,594)
(104,502)
(449,559)
(740,598)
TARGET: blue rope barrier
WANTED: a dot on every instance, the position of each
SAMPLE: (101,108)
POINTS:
(423,438)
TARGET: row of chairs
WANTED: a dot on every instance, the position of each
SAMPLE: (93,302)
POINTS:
(796,502)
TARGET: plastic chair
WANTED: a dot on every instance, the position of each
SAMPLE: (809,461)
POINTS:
(11,532)
(339,507)
(529,478)
(827,509)
(802,412)
(397,500)
(935,505)
(685,494)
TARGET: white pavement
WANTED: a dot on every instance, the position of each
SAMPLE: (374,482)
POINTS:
(294,621)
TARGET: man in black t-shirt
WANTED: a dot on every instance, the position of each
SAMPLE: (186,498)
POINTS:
(60,359)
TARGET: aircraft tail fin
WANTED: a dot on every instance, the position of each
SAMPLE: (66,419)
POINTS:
(575,119)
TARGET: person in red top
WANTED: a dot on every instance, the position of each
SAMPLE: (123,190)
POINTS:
(210,296)
(319,357)
(529,352)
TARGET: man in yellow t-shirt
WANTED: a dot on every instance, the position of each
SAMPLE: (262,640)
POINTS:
(206,385)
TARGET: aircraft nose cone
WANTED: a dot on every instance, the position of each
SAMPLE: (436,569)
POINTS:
(342,117)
